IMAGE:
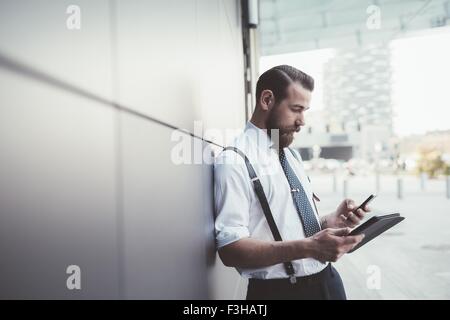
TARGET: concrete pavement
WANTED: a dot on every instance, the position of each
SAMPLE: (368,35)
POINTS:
(410,261)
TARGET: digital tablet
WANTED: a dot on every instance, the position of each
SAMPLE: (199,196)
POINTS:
(374,227)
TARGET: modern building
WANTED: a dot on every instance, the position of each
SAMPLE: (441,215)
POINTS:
(356,119)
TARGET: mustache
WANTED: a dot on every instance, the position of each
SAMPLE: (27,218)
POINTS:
(289,130)
(283,131)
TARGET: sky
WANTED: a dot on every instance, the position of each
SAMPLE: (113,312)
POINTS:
(420,81)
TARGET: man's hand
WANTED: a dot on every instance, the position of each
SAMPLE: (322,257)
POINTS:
(331,244)
(344,216)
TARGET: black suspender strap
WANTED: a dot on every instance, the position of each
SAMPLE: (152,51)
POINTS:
(265,207)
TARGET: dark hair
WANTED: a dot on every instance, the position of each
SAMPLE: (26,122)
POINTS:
(279,78)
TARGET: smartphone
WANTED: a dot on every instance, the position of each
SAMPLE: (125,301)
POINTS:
(370,198)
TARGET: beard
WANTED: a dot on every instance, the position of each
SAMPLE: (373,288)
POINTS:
(281,135)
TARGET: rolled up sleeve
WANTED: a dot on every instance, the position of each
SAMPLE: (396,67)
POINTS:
(232,202)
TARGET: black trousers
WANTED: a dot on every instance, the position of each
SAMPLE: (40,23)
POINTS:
(325,285)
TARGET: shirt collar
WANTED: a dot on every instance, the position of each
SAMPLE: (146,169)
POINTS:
(259,136)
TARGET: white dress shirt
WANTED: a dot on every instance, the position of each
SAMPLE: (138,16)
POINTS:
(238,211)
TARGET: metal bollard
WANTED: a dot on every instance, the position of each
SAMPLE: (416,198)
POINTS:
(334,182)
(448,187)
(344,189)
(377,182)
(423,177)
(400,188)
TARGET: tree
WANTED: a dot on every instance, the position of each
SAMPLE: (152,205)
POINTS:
(431,162)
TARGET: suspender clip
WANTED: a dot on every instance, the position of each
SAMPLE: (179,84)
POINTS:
(292,279)
(315,197)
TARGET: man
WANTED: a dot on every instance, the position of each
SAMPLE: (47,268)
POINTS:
(244,237)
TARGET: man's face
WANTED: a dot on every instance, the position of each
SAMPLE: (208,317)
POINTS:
(288,115)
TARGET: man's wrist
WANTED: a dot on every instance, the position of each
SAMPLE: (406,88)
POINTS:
(308,247)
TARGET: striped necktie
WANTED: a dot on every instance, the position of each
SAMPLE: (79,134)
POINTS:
(302,204)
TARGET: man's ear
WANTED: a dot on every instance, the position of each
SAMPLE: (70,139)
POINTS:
(267,100)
